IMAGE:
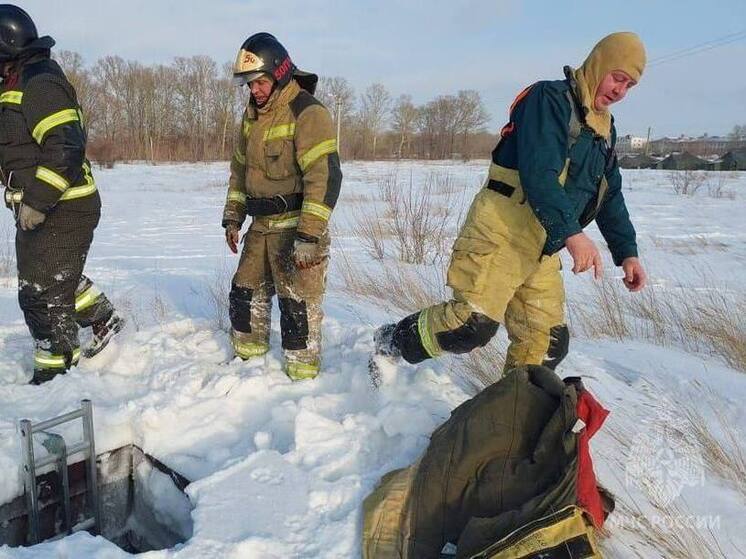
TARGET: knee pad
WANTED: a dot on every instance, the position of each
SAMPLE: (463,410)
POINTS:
(559,345)
(240,308)
(36,312)
(476,332)
(293,323)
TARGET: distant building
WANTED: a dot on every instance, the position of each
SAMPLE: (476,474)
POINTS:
(702,146)
(733,161)
(640,161)
(630,144)
(684,161)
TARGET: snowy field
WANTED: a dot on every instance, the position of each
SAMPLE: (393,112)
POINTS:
(280,469)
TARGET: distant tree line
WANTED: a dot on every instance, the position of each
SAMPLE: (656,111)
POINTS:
(190,110)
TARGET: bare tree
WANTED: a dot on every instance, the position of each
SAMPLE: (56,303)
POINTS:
(374,109)
(438,125)
(81,79)
(403,119)
(472,117)
(339,97)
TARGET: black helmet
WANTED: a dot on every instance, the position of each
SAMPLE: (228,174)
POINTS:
(261,54)
(18,34)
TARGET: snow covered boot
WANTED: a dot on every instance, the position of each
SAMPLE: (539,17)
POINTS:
(45,375)
(103,332)
(383,340)
(383,350)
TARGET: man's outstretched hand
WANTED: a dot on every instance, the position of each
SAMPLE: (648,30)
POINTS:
(585,255)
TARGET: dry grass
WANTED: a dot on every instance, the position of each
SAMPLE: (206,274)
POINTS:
(674,532)
(414,222)
(695,244)
(703,320)
(216,292)
(673,529)
(371,229)
(718,181)
(397,287)
(483,366)
(724,458)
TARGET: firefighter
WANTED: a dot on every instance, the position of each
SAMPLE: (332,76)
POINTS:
(554,170)
(285,174)
(51,191)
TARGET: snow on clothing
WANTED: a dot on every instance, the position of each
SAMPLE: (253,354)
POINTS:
(285,173)
(42,152)
(551,175)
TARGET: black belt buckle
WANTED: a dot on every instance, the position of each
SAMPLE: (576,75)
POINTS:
(501,187)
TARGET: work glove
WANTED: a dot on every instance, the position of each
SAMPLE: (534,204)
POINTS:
(306,251)
(232,235)
(29,218)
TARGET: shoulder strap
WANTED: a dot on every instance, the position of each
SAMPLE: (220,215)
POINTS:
(575,126)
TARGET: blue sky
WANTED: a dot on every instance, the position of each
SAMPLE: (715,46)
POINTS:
(436,47)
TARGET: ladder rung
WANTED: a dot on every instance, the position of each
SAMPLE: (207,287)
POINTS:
(84,524)
(75,449)
(49,423)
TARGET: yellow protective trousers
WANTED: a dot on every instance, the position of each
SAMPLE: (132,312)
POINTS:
(498,274)
(266,268)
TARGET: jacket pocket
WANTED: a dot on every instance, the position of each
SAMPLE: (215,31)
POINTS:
(278,159)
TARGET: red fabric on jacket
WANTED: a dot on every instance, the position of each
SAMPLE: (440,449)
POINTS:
(593,415)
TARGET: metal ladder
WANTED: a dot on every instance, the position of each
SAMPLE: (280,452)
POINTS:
(59,454)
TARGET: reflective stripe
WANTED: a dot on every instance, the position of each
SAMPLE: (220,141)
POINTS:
(236,196)
(51,178)
(248,349)
(240,158)
(13,97)
(44,359)
(319,210)
(291,220)
(13,196)
(301,371)
(78,192)
(324,148)
(56,119)
(87,298)
(426,337)
(542,537)
(282,131)
(81,191)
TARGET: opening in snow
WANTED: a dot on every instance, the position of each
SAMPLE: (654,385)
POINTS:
(143,504)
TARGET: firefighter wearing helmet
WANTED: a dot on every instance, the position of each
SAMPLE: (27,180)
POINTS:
(285,177)
(50,189)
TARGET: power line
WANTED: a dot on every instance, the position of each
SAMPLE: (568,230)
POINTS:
(702,47)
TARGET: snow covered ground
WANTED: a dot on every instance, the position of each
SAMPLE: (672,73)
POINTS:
(280,469)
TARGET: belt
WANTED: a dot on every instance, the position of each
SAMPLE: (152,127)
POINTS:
(501,187)
(274,205)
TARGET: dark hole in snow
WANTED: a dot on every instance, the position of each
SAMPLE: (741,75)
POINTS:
(143,504)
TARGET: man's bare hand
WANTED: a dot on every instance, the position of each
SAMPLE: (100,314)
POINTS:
(635,277)
(585,255)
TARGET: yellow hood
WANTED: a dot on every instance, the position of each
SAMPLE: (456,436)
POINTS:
(618,51)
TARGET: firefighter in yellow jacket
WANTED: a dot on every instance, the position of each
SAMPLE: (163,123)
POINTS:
(285,174)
